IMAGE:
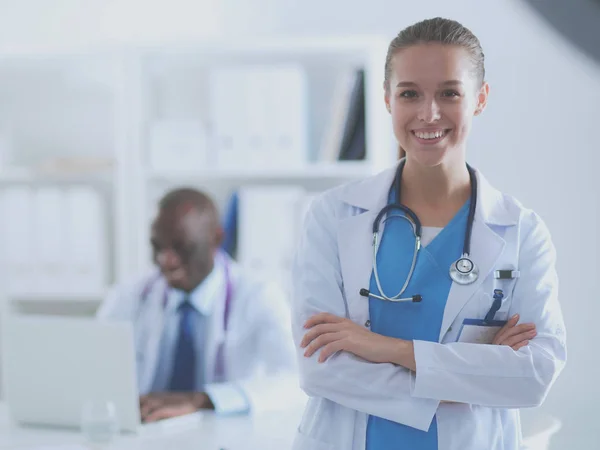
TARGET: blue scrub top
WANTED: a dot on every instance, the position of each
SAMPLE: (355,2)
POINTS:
(407,320)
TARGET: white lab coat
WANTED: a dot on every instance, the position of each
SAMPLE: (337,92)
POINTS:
(258,350)
(490,383)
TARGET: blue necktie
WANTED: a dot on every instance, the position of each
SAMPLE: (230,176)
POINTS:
(183,376)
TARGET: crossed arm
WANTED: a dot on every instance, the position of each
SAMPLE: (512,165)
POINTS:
(331,334)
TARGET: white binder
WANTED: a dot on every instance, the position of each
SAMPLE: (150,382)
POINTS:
(259,116)
(19,252)
(227,114)
(87,241)
(288,108)
(49,240)
(269,221)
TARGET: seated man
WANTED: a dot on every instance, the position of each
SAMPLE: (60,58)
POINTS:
(207,335)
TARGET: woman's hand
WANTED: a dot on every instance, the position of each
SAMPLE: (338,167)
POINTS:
(515,336)
(331,334)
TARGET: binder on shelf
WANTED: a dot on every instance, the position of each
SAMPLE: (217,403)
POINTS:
(49,239)
(230,225)
(270,219)
(333,132)
(54,241)
(259,115)
(227,116)
(353,145)
(86,240)
(288,109)
(255,136)
(19,255)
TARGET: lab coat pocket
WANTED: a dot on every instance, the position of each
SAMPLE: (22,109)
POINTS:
(305,442)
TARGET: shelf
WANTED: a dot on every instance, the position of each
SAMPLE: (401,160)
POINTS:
(87,297)
(288,44)
(84,305)
(28,176)
(342,171)
(96,101)
(322,45)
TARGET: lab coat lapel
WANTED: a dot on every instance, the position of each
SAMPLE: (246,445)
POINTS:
(355,240)
(151,326)
(486,247)
(215,335)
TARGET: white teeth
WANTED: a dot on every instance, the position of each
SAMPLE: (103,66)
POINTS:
(429,135)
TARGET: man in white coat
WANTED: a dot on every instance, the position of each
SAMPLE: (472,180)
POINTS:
(208,335)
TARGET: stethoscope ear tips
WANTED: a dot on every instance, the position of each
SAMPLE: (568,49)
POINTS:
(364,292)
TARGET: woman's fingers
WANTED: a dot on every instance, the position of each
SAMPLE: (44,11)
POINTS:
(520,345)
(330,349)
(508,331)
(519,329)
(317,331)
(322,318)
(520,337)
(510,324)
(321,341)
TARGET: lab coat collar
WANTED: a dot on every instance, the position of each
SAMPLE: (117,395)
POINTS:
(205,295)
(371,194)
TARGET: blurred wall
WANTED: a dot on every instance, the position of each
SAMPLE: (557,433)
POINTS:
(537,140)
(72,23)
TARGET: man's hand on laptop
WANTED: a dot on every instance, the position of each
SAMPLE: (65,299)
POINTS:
(164,405)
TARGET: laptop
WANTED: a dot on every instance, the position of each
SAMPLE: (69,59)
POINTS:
(53,366)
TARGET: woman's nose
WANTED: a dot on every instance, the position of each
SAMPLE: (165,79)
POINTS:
(429,111)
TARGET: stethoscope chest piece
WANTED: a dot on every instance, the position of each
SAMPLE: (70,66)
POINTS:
(464,271)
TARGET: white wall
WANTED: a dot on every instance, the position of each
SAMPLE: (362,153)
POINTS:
(54,23)
(537,140)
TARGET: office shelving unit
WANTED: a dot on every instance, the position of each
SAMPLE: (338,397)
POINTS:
(100,104)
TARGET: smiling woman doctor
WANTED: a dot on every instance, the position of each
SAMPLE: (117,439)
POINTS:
(397,311)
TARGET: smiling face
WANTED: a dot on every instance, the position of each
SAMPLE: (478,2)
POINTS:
(433,94)
(184,243)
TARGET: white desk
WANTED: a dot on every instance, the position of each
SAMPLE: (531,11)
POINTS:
(273,431)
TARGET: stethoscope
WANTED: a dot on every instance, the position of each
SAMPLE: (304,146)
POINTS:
(463,271)
(220,356)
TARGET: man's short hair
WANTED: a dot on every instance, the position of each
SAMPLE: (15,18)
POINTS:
(188,197)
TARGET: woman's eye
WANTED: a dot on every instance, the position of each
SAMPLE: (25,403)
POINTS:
(408,94)
(450,93)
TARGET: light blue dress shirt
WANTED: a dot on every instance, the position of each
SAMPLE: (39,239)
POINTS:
(202,299)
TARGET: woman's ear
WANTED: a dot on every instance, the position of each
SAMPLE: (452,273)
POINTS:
(386,97)
(482,97)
